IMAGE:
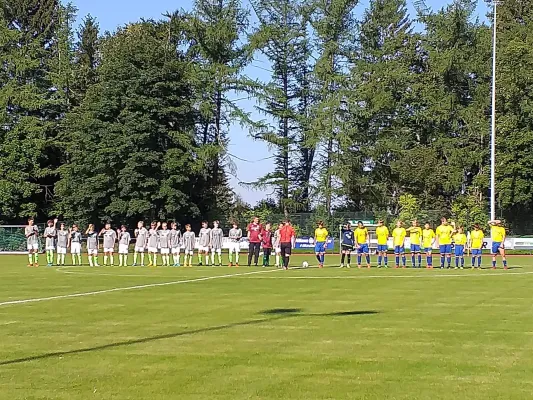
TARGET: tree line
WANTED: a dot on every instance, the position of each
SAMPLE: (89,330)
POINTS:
(375,113)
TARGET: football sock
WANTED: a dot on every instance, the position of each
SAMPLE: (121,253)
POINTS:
(505,263)
(237,257)
(420,261)
(386,259)
(462,262)
(397,259)
(449,261)
(155,260)
(135,258)
(349,258)
(112,259)
(368,259)
(277,260)
(343,257)
(220,258)
(36,257)
(95,261)
(90,261)
(473,261)
(494,263)
(479,261)
(380,258)
(30,258)
(230,256)
(456,262)
(413,260)
(404,262)
(442,260)
(142,258)
(318,258)
(105,260)
(206,259)
(359,259)
(150,258)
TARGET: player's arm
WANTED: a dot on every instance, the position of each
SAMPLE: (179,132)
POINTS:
(293,238)
(101,232)
(367,237)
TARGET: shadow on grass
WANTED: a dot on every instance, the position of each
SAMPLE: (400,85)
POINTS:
(280,313)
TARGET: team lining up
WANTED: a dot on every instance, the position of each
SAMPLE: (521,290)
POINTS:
(161,240)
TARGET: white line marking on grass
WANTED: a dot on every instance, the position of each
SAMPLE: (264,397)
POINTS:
(122,289)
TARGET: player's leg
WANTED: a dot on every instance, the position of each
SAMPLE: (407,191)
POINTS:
(396,256)
(504,259)
(135,256)
(343,256)
(30,255)
(257,249)
(429,258)
(404,258)
(442,256)
(419,257)
(380,255)
(278,254)
(413,256)
(473,258)
(230,254)
(385,257)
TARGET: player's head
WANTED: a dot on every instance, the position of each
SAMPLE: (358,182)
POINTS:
(164,225)
(174,225)
(123,228)
(204,224)
(235,225)
(74,227)
(140,224)
(460,229)
(50,223)
(91,228)
(216,224)
(380,222)
(427,225)
(30,221)
(348,226)
(414,223)
(107,226)
(477,227)
(153,224)
(399,224)
(62,226)
(360,224)
(320,224)
(268,226)
(188,227)
(287,222)
(255,220)
(444,221)
(280,225)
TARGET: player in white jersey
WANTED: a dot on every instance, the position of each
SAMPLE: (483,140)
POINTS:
(204,242)
(216,238)
(235,236)
(124,239)
(50,235)
(110,238)
(277,244)
(153,243)
(164,244)
(92,245)
(32,241)
(175,240)
(141,240)
(189,241)
(74,242)
(62,244)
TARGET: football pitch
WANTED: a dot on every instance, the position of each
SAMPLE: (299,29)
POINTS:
(263,333)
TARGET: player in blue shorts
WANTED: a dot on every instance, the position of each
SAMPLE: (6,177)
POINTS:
(362,240)
(321,236)
(444,241)
(382,234)
(398,236)
(459,240)
(498,234)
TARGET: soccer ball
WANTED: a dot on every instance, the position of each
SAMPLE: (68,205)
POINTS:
(305,264)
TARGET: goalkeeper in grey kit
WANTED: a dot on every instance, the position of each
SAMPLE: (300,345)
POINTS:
(235,236)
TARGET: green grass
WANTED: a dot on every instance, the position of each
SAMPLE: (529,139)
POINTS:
(298,334)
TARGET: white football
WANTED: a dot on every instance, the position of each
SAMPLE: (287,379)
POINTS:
(305,264)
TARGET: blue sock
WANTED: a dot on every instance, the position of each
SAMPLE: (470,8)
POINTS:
(368,259)
(462,262)
(479,261)
(413,260)
(505,263)
(380,257)
(456,262)
(403,261)
(449,261)
(420,261)
(397,260)
(430,260)
(386,258)
(442,259)
(494,263)
(359,259)
(473,261)
(322,258)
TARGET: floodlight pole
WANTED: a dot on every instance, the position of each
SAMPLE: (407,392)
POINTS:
(493,130)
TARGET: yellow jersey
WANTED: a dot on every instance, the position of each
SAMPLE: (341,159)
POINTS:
(428,236)
(382,233)
(444,233)
(361,235)
(415,234)
(497,233)
(459,239)
(321,234)
(398,235)
(476,238)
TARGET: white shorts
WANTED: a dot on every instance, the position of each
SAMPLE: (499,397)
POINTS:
(175,250)
(139,249)
(109,249)
(218,251)
(61,250)
(234,247)
(123,249)
(203,248)
(165,250)
(277,250)
(189,252)
(152,249)
(92,252)
(50,248)
(34,246)
(75,248)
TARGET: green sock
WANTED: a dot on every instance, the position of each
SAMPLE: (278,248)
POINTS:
(230,258)
(199,258)
(36,256)
(150,260)
(30,258)
(95,260)
(220,258)
(79,259)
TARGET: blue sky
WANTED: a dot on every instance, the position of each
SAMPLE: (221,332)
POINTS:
(113,13)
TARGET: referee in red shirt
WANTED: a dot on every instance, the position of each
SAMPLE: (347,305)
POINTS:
(287,238)
(255,229)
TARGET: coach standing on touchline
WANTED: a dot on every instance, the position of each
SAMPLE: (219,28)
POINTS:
(287,238)
(254,236)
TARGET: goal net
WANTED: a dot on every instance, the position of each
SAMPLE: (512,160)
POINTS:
(13,241)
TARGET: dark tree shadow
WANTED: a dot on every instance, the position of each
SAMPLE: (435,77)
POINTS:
(278,314)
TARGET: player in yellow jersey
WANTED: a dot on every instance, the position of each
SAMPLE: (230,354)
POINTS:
(497,233)
(398,235)
(361,241)
(444,241)
(428,239)
(476,244)
(415,236)
(459,240)
(321,236)
(382,233)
